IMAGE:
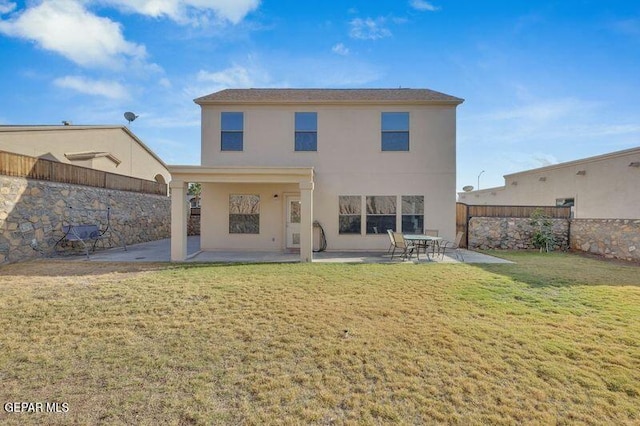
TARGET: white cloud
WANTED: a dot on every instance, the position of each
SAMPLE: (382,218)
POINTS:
(369,29)
(423,5)
(165,82)
(107,89)
(6,6)
(67,28)
(189,11)
(551,123)
(547,111)
(234,77)
(340,49)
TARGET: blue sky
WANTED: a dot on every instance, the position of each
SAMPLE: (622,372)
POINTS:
(544,81)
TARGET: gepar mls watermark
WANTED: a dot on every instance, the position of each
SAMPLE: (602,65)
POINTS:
(36,407)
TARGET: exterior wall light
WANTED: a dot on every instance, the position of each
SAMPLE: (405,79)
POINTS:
(542,179)
(634,164)
(581,172)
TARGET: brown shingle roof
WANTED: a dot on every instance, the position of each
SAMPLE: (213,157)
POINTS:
(328,96)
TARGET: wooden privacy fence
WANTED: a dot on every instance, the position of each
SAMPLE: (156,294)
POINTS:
(465,212)
(37,168)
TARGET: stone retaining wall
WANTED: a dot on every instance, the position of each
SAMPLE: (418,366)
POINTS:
(611,238)
(32,214)
(193,224)
(511,233)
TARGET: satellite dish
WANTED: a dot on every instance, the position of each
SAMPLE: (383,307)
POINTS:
(467,188)
(129,116)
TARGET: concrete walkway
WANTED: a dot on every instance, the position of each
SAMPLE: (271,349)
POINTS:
(159,251)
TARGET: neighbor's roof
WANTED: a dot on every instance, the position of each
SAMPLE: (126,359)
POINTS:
(69,128)
(328,96)
(625,152)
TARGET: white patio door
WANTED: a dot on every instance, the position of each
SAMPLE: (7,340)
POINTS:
(293,221)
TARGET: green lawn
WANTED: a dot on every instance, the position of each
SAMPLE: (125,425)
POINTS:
(554,338)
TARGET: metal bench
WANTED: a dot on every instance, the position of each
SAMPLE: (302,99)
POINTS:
(87,233)
(82,233)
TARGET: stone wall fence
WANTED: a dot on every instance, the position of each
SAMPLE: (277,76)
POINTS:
(32,213)
(512,233)
(193,221)
(611,238)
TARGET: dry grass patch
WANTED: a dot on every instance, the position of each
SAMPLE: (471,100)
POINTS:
(553,339)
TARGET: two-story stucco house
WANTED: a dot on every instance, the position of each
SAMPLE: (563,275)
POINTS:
(356,161)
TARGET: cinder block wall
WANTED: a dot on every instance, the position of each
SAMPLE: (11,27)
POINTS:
(32,213)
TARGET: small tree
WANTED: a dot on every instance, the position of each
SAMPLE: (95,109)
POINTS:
(194,189)
(543,237)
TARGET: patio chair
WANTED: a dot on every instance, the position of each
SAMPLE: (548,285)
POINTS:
(393,242)
(434,246)
(407,247)
(452,246)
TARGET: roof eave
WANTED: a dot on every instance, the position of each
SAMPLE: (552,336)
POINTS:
(452,102)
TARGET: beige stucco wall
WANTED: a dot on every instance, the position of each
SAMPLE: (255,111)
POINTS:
(608,188)
(214,226)
(54,143)
(349,161)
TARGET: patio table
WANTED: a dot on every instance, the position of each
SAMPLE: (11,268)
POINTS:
(425,241)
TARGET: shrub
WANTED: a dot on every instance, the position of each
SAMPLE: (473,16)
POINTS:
(542,234)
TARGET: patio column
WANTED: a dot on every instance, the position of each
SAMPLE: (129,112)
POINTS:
(306,221)
(178,220)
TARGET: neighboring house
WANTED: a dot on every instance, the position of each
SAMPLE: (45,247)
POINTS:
(112,149)
(194,201)
(601,187)
(358,161)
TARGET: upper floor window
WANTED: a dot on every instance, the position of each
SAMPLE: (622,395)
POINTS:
(232,126)
(306,137)
(395,131)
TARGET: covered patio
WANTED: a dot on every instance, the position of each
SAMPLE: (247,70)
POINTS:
(302,179)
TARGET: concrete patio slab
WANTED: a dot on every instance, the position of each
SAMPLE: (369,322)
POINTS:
(159,251)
